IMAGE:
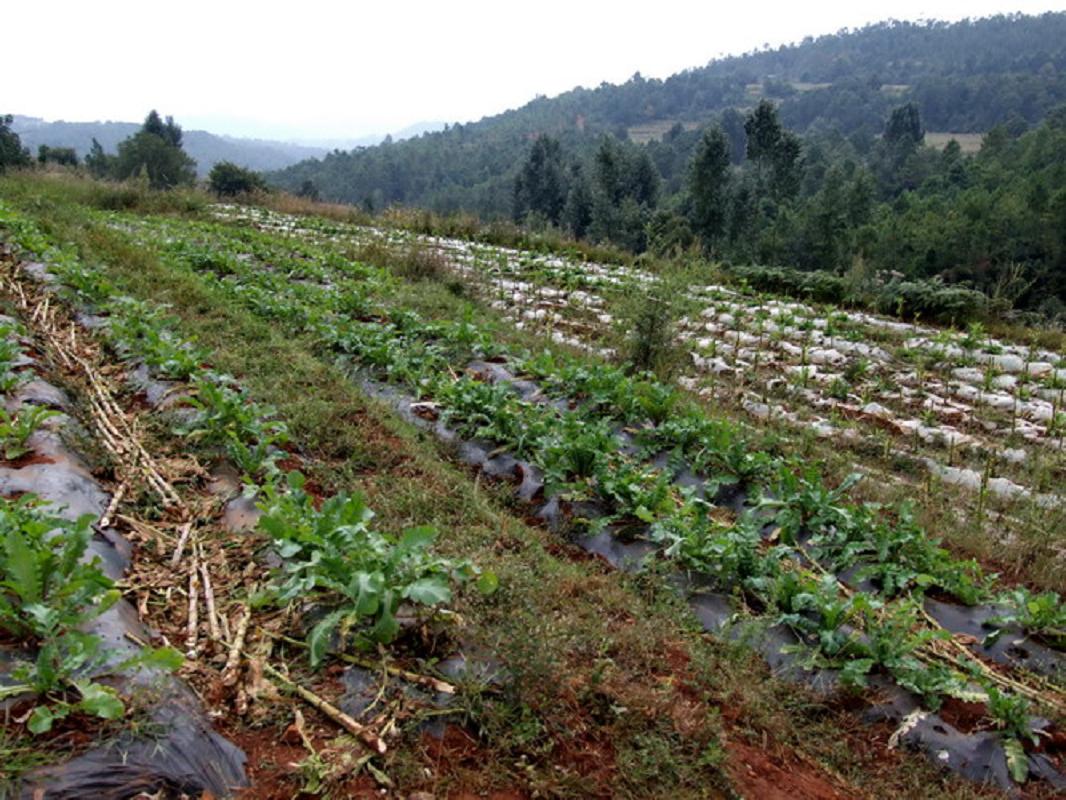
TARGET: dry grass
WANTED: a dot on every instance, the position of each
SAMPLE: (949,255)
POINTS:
(285,203)
(413,261)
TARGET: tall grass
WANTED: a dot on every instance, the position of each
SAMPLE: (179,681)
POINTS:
(52,185)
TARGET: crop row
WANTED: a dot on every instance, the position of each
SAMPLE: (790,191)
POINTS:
(356,577)
(957,401)
(51,588)
(785,552)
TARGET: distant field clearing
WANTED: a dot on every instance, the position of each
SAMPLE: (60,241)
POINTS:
(969,142)
(642,134)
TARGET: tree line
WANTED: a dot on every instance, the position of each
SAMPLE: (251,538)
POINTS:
(153,154)
(994,221)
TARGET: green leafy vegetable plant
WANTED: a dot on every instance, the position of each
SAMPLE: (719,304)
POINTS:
(48,592)
(16,429)
(1011,715)
(1041,614)
(356,577)
(227,413)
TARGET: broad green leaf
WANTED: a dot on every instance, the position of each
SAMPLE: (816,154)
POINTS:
(386,627)
(44,617)
(488,583)
(41,720)
(22,567)
(421,536)
(107,600)
(1017,760)
(855,671)
(47,657)
(99,700)
(167,658)
(318,640)
(368,593)
(429,591)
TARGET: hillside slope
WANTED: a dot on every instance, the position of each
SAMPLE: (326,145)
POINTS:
(964,77)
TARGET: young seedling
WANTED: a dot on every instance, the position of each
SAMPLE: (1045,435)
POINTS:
(16,429)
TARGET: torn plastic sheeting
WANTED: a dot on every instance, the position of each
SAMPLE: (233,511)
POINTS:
(977,756)
(189,759)
(240,512)
(63,480)
(362,687)
(36,392)
(626,556)
(1012,647)
(716,615)
(158,393)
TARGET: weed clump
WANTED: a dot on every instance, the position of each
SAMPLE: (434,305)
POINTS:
(412,262)
(647,326)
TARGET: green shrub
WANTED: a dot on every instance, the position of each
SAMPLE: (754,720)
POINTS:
(227,179)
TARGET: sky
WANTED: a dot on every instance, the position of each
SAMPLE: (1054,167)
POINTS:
(321,70)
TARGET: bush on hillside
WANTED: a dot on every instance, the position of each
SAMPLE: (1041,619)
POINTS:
(227,179)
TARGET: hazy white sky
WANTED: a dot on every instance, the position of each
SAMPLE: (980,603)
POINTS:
(336,69)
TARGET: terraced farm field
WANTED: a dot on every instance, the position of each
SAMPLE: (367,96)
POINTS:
(959,411)
(573,567)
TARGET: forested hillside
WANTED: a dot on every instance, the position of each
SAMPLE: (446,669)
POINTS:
(964,77)
(207,149)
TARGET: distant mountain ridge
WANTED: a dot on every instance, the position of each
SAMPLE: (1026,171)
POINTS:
(206,148)
(341,143)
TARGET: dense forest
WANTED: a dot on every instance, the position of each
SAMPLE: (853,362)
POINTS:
(813,156)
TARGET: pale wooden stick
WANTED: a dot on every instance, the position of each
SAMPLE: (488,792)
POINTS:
(116,498)
(372,740)
(186,529)
(229,672)
(209,601)
(428,681)
(194,608)
(144,527)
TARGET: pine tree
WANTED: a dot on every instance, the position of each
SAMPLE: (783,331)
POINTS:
(709,186)
(904,127)
(99,163)
(12,153)
(155,150)
(540,186)
(763,131)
